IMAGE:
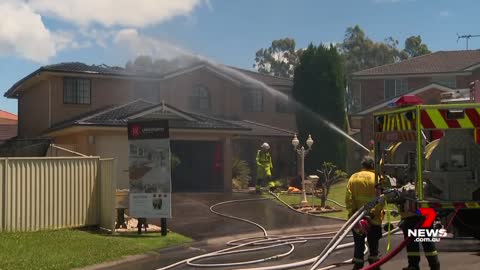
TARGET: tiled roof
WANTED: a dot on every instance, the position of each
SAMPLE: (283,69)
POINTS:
(273,81)
(437,62)
(243,75)
(118,116)
(78,67)
(7,115)
(384,103)
(258,129)
(81,68)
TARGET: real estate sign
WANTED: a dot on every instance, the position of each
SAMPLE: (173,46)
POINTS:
(149,169)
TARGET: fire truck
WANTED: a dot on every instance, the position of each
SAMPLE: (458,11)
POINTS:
(437,149)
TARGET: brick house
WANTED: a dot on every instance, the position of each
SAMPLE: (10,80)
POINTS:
(8,125)
(215,110)
(426,76)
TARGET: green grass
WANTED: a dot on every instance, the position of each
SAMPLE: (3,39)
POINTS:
(67,249)
(337,193)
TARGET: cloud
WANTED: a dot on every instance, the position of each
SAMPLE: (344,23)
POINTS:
(23,33)
(139,44)
(108,13)
(101,37)
(445,13)
(66,40)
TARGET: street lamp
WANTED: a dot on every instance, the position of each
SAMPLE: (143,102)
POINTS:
(302,152)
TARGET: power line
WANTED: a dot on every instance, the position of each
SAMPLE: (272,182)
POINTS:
(466,37)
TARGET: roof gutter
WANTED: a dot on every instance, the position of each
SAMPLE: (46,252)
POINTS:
(10,93)
(411,75)
(79,127)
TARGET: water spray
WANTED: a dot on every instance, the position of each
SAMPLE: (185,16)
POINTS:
(260,85)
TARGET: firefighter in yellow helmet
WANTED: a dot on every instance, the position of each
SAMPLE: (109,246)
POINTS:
(361,189)
(264,165)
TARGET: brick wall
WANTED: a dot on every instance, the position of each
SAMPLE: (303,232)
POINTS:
(225,99)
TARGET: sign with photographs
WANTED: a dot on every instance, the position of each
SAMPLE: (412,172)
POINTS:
(149,169)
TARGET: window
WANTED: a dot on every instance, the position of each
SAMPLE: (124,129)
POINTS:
(395,88)
(253,101)
(200,99)
(354,97)
(446,81)
(76,91)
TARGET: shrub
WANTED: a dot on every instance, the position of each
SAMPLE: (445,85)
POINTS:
(240,174)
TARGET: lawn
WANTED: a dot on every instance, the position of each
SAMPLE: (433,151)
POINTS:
(337,193)
(67,249)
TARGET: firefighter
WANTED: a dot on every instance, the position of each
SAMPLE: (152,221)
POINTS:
(361,189)
(411,220)
(264,165)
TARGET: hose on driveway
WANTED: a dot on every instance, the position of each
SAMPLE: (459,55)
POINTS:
(266,242)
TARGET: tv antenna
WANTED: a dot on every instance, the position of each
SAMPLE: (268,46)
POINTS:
(467,37)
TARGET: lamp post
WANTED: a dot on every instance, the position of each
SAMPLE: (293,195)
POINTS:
(302,152)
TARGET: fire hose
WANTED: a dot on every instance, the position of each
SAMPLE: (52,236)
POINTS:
(394,252)
(270,242)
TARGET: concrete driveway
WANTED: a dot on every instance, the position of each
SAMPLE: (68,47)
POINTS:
(192,217)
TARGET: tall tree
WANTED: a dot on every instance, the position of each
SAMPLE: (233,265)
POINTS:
(414,47)
(279,59)
(319,85)
(360,52)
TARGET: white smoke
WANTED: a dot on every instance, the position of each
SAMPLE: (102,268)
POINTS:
(139,44)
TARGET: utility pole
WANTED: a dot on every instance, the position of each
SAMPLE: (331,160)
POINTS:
(467,37)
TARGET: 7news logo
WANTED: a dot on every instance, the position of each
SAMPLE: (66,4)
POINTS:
(426,232)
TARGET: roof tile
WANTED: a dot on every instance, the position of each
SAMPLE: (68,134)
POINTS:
(437,62)
(118,116)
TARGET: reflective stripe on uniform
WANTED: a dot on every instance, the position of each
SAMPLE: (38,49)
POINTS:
(373,258)
(357,260)
(417,254)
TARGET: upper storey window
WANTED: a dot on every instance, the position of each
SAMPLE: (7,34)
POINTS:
(76,91)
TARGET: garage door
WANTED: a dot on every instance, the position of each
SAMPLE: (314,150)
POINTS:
(201,166)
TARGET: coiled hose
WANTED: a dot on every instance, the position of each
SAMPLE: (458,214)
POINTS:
(270,242)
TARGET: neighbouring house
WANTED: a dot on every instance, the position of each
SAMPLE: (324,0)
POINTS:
(8,125)
(429,77)
(216,114)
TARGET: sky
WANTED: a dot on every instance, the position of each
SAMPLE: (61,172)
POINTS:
(34,33)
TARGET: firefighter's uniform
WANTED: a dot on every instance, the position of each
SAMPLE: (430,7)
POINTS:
(361,190)
(264,167)
(410,220)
